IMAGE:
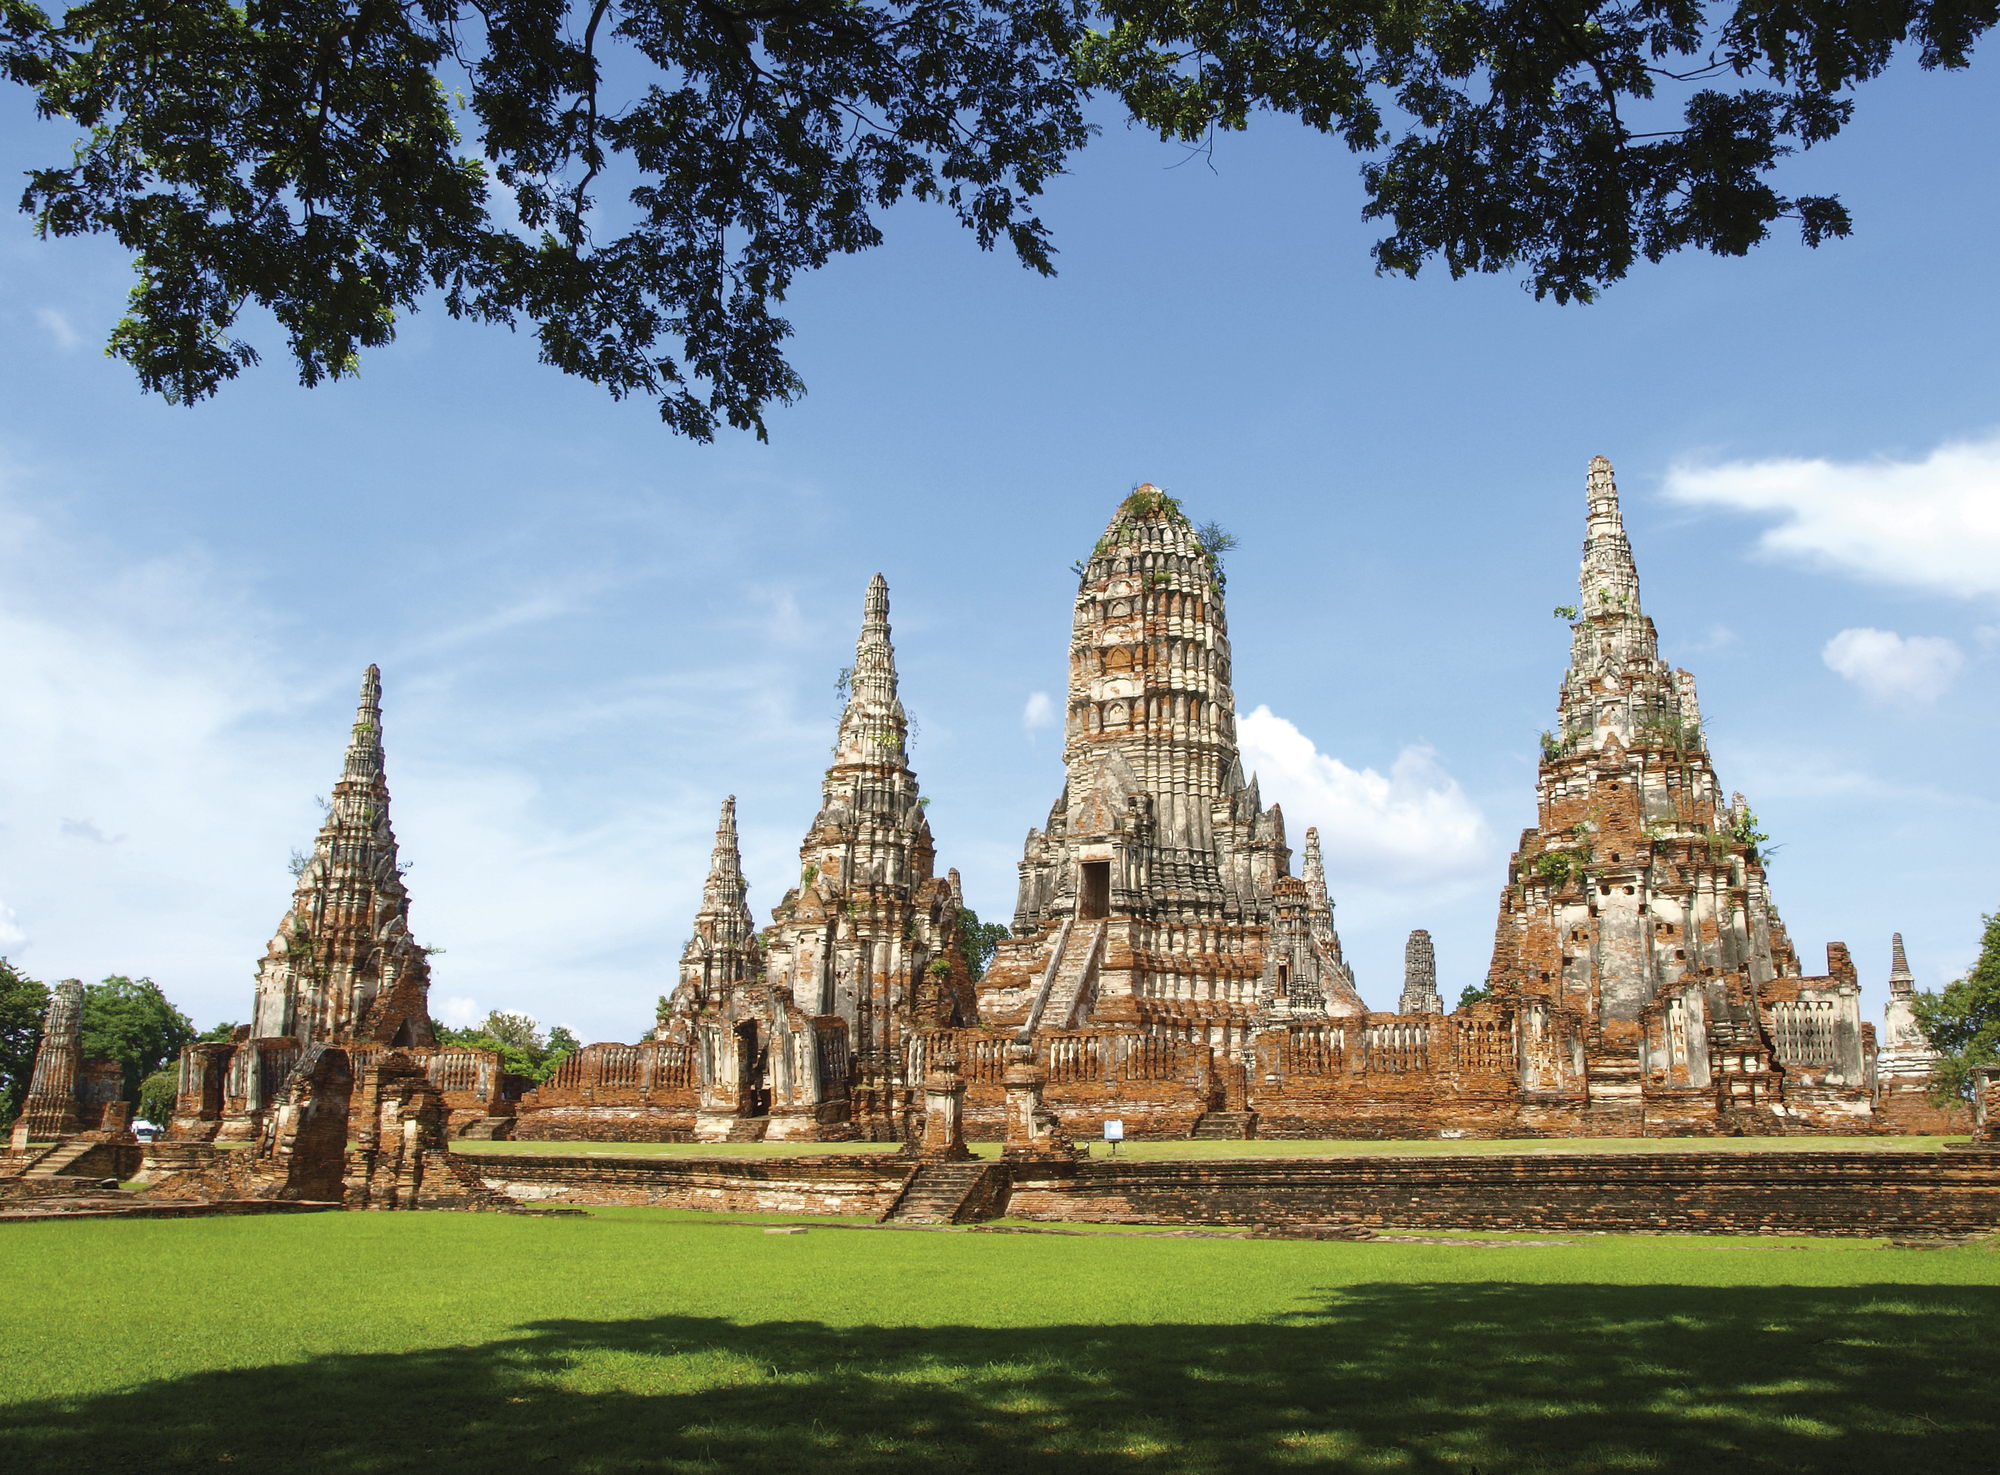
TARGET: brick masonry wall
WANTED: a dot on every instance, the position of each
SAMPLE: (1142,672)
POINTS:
(861,1183)
(604,1124)
(1858,1193)
(1840,1193)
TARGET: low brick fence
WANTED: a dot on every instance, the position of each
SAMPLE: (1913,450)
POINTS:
(833,1183)
(1841,1193)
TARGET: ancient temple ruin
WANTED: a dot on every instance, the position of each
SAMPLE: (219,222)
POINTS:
(342,970)
(1165,967)
(1158,895)
(342,965)
(1638,946)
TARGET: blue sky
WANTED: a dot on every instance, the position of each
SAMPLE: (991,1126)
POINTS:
(591,632)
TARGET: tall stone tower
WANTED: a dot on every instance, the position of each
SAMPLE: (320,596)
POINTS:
(1151,894)
(1420,977)
(48,1112)
(723,953)
(343,967)
(1638,880)
(869,935)
(1906,1055)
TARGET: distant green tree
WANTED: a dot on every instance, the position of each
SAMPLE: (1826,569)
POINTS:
(23,1004)
(130,1021)
(218,1034)
(1963,1022)
(1475,993)
(157,1094)
(523,1048)
(978,940)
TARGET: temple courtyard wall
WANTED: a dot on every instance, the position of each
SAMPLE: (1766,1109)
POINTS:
(1880,1192)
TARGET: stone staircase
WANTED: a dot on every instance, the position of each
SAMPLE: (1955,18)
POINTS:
(1077,969)
(935,1193)
(58,1160)
(1224,1126)
(1616,1085)
(747,1129)
(488,1129)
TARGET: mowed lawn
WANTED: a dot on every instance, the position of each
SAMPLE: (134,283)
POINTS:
(645,1340)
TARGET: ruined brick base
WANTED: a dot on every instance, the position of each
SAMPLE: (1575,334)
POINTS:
(587,1124)
(835,1184)
(1833,1193)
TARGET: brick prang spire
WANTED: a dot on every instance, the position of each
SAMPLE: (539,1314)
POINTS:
(343,967)
(1420,983)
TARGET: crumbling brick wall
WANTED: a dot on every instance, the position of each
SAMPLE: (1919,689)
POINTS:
(1843,1193)
(610,1092)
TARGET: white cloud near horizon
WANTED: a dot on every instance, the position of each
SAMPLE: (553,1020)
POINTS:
(58,328)
(1039,712)
(1932,524)
(1410,827)
(1894,668)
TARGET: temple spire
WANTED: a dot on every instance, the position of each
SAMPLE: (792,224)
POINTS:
(873,728)
(1420,983)
(724,919)
(343,966)
(1901,980)
(1609,579)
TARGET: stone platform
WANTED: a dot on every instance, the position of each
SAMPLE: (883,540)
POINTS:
(1868,1193)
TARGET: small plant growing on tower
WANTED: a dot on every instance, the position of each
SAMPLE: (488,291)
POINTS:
(1565,611)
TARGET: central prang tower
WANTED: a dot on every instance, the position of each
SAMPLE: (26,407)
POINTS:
(1159,893)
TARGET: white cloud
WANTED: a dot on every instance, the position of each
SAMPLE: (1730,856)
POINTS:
(10,935)
(1413,826)
(1893,668)
(1040,712)
(1932,524)
(83,829)
(65,336)
(459,1013)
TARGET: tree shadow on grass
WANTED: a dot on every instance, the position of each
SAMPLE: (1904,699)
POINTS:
(1489,1377)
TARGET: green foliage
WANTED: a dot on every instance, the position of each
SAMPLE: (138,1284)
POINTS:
(977,940)
(157,1094)
(843,690)
(1552,747)
(1743,830)
(130,1021)
(305,156)
(1963,1023)
(1215,541)
(1558,866)
(23,1005)
(1565,611)
(1672,730)
(217,1034)
(1474,993)
(523,1048)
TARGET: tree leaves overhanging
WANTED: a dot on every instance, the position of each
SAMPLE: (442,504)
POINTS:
(643,181)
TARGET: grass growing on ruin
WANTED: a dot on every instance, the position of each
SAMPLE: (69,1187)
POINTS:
(1165,1151)
(641,1340)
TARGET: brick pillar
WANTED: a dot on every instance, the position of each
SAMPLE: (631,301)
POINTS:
(49,1112)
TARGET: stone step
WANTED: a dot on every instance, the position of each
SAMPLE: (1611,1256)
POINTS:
(57,1161)
(748,1129)
(1224,1126)
(935,1193)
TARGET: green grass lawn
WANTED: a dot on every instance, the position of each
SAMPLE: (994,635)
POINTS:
(646,1340)
(1159,1151)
